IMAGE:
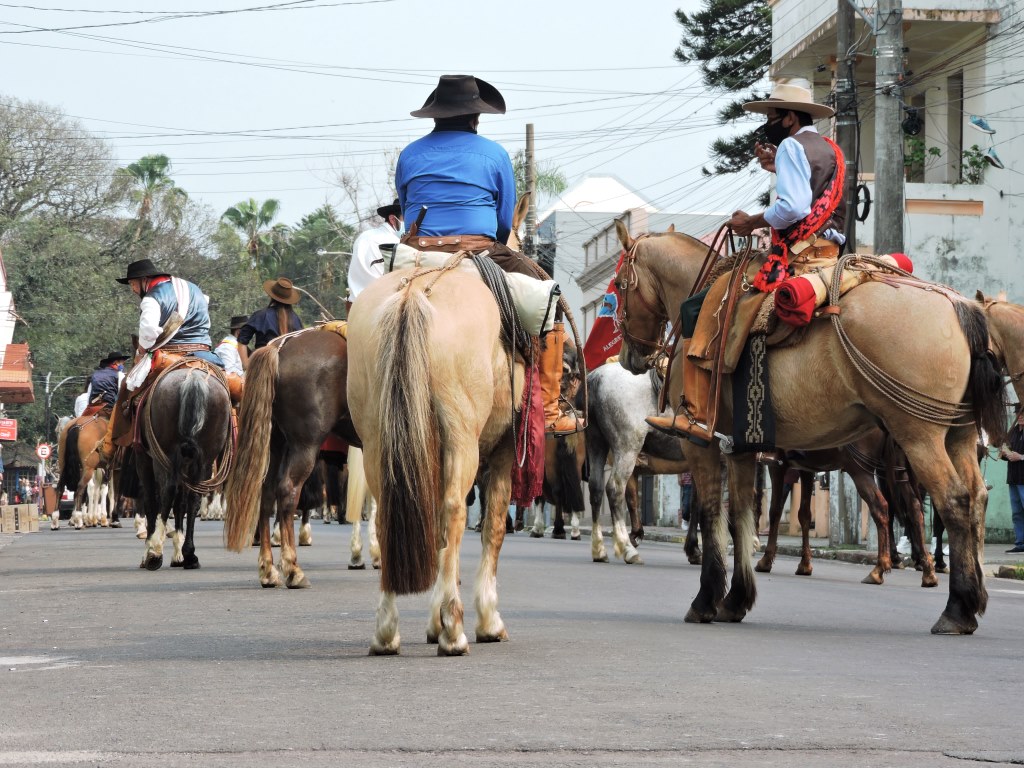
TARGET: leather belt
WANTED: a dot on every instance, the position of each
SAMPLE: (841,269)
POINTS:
(183,348)
(458,242)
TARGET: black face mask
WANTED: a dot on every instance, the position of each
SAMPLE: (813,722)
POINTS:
(775,132)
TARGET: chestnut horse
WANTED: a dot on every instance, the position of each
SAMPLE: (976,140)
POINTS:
(79,462)
(295,396)
(932,346)
(431,388)
(184,422)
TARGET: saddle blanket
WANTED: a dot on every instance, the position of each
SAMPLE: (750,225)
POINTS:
(535,300)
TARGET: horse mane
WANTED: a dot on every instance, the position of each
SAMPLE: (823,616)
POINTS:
(985,389)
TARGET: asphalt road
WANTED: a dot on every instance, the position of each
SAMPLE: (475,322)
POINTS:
(104,664)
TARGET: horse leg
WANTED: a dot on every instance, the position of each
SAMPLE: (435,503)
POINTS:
(489,625)
(574,526)
(355,547)
(268,573)
(371,534)
(881,514)
(299,467)
(101,504)
(558,524)
(275,536)
(190,504)
(151,507)
(306,530)
(916,533)
(537,531)
(804,567)
(691,547)
(636,525)
(707,478)
(775,505)
(386,640)
(742,591)
(952,498)
(355,499)
(962,446)
(618,489)
(938,529)
(180,510)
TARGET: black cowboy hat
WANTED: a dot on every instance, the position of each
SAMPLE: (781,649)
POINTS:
(282,290)
(112,357)
(238,321)
(140,268)
(395,209)
(461,95)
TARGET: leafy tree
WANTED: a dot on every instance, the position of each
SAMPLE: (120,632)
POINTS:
(550,180)
(262,240)
(324,276)
(732,41)
(49,164)
(150,184)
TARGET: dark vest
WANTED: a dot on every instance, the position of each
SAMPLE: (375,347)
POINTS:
(103,383)
(822,159)
(196,326)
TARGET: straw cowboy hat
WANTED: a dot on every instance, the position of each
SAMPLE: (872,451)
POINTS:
(461,95)
(237,322)
(281,290)
(795,94)
(395,209)
(140,268)
(113,357)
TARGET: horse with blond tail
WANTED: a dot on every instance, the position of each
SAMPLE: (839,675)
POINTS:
(294,398)
(431,389)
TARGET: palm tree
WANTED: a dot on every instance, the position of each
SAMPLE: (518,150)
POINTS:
(151,181)
(253,219)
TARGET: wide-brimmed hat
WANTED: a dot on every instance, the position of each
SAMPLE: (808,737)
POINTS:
(140,268)
(461,95)
(395,209)
(794,93)
(282,290)
(238,321)
(112,357)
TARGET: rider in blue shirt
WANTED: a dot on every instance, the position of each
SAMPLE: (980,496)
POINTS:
(467,185)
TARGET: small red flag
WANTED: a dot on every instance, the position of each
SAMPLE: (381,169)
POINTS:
(605,337)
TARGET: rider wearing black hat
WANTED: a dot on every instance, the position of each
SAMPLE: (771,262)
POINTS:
(106,379)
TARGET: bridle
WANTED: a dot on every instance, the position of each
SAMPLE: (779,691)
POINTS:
(627,281)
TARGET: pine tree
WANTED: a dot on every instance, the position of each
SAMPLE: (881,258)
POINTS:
(732,41)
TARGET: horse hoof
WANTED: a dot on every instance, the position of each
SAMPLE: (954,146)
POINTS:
(730,615)
(305,543)
(558,535)
(116,524)
(302,583)
(872,578)
(459,649)
(695,560)
(602,559)
(177,563)
(357,566)
(802,570)
(535,535)
(499,637)
(763,567)
(576,537)
(946,626)
(695,617)
(634,560)
(153,563)
(192,565)
(391,649)
(269,584)
(929,582)
(376,565)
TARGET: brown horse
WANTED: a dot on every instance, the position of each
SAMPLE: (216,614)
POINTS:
(185,427)
(295,396)
(431,388)
(933,343)
(864,461)
(79,462)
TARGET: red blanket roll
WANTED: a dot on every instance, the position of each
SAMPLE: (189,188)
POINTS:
(795,301)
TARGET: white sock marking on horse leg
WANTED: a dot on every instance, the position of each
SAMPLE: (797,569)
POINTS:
(623,548)
(386,639)
(574,525)
(597,549)
(306,535)
(538,520)
(355,545)
(371,532)
(179,543)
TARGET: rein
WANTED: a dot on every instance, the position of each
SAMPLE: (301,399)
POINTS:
(626,280)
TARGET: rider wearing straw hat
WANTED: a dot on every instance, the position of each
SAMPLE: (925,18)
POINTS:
(275,319)
(459,189)
(806,222)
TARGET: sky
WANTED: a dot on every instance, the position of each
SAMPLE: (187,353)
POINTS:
(280,99)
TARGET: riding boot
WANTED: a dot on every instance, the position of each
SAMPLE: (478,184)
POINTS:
(692,419)
(556,422)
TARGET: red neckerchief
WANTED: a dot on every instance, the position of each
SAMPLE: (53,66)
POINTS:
(776,268)
(156,281)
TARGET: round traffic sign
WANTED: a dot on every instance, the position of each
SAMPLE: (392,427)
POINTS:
(43,450)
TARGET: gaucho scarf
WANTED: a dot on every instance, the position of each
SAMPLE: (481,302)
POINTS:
(776,267)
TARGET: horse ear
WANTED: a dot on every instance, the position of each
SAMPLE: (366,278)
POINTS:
(671,228)
(519,214)
(980,296)
(623,233)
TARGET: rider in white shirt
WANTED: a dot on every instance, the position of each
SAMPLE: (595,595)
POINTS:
(367,261)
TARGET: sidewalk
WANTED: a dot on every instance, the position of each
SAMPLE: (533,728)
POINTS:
(995,552)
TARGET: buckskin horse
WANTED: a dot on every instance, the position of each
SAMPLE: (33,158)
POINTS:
(931,385)
(78,462)
(431,388)
(295,396)
(184,425)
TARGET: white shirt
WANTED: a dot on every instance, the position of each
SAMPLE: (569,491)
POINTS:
(367,262)
(82,401)
(227,351)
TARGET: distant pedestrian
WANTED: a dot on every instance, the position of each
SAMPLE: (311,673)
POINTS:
(1013,452)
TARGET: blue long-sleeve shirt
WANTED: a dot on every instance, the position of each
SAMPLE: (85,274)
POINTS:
(793,188)
(465,180)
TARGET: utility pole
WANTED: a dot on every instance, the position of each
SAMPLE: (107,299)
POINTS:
(530,236)
(889,204)
(846,116)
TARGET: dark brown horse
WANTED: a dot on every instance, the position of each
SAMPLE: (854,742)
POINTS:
(295,396)
(185,426)
(933,417)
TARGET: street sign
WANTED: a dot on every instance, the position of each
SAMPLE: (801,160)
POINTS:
(43,451)
(8,429)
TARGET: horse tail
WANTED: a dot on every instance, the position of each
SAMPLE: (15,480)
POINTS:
(985,389)
(252,456)
(567,468)
(408,431)
(70,462)
(187,461)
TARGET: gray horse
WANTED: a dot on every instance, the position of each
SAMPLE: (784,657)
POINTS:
(619,403)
